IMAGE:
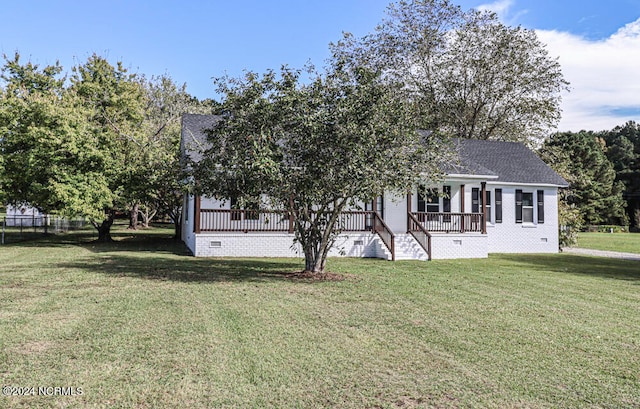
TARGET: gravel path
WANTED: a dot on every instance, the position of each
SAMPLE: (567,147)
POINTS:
(601,253)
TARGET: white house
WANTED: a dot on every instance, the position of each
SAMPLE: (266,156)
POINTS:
(25,216)
(501,199)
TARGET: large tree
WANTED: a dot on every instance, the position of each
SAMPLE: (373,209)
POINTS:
(52,160)
(593,190)
(116,100)
(470,75)
(315,149)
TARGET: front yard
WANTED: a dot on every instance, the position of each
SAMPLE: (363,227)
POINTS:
(139,324)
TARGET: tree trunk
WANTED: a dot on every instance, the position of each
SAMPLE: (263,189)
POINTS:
(177,224)
(316,234)
(133,217)
(146,216)
(314,263)
(104,229)
(316,247)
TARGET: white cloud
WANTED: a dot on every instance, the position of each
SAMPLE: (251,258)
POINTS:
(503,9)
(605,85)
(500,7)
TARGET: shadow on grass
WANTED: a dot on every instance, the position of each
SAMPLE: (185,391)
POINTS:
(51,239)
(188,269)
(147,254)
(125,240)
(579,265)
(139,243)
(154,257)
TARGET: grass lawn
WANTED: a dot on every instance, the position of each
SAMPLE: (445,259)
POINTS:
(625,242)
(139,324)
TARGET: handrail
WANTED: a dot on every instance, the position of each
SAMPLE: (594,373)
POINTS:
(450,222)
(417,230)
(385,233)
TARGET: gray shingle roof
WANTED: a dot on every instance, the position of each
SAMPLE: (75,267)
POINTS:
(193,138)
(512,162)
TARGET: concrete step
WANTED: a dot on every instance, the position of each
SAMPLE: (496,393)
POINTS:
(406,248)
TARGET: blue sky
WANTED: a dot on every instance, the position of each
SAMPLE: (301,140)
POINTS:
(597,42)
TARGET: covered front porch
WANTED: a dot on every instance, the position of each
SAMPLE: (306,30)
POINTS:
(400,224)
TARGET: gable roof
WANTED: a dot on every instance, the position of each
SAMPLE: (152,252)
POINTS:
(511,162)
(507,162)
(193,138)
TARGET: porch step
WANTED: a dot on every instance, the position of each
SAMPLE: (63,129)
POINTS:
(406,247)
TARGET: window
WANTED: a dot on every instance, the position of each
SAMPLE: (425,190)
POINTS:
(527,207)
(430,203)
(498,205)
(524,207)
(433,201)
(488,193)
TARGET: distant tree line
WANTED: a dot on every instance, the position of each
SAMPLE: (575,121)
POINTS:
(603,169)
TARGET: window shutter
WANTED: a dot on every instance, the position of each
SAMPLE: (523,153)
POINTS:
(488,193)
(518,206)
(540,206)
(446,200)
(421,204)
(195,210)
(498,205)
(475,200)
(421,199)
